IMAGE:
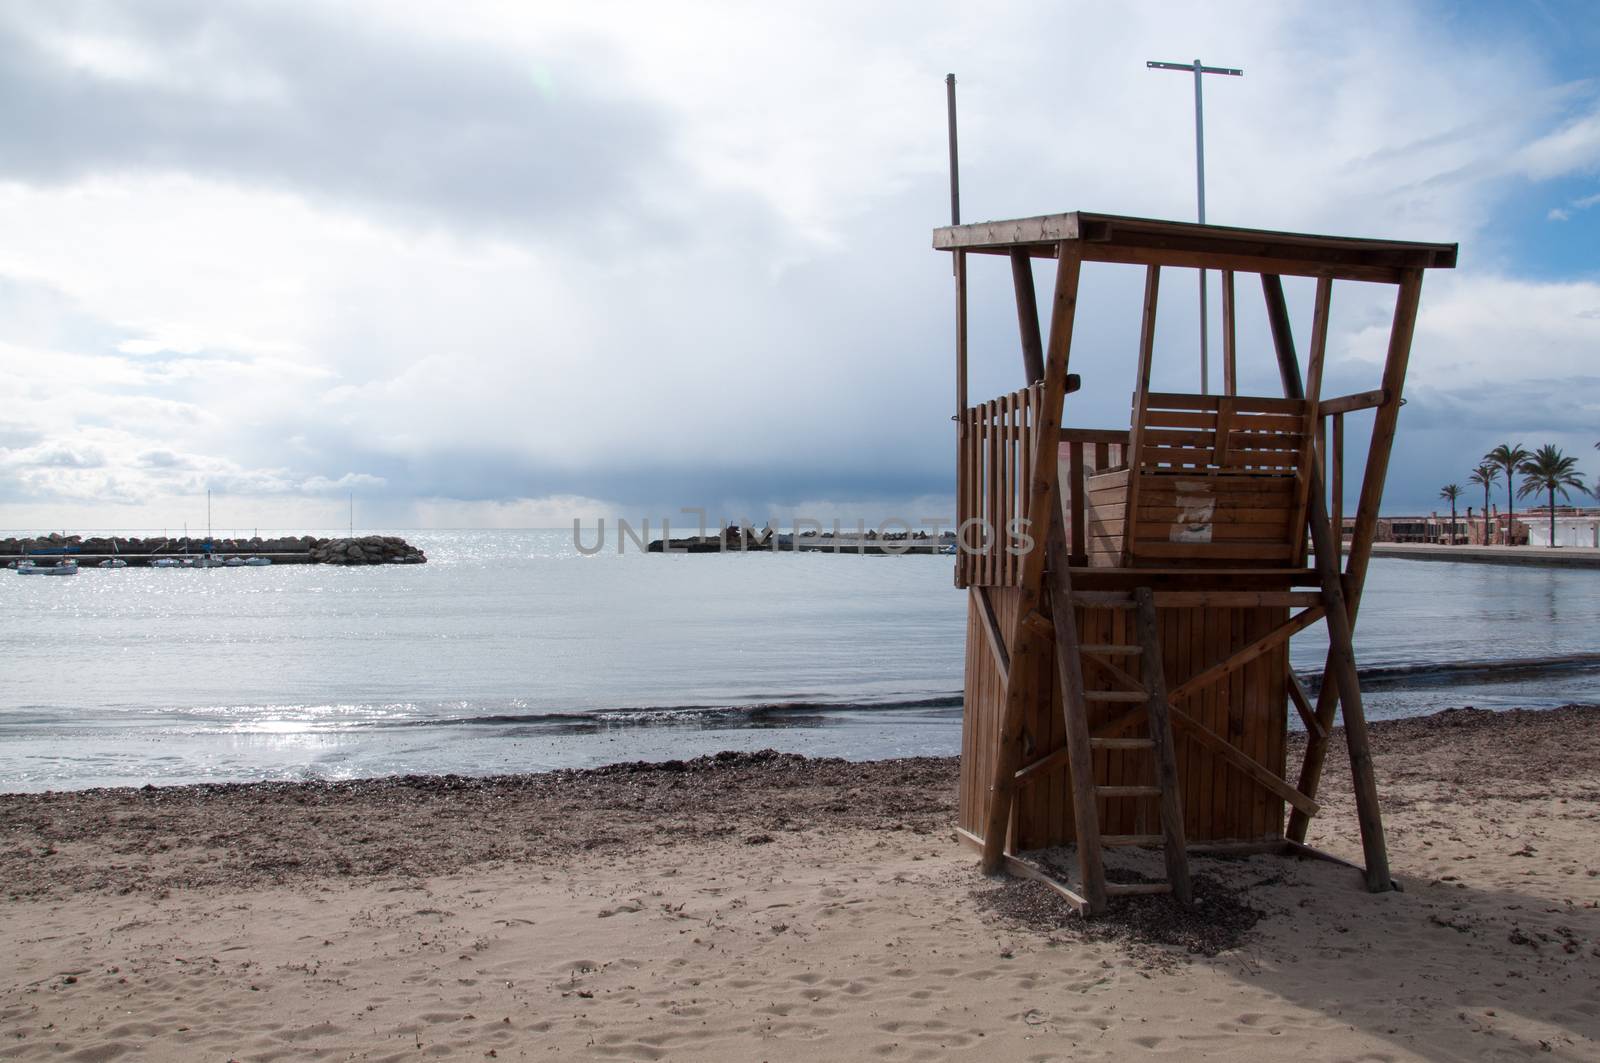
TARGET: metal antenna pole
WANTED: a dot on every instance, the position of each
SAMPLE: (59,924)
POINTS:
(958,260)
(955,170)
(1200,189)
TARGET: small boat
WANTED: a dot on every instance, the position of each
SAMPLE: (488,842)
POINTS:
(60,568)
(256,562)
(112,562)
(233,562)
(164,562)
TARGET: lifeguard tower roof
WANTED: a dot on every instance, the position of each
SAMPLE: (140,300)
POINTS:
(1146,241)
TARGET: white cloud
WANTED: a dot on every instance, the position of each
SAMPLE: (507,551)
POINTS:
(1574,148)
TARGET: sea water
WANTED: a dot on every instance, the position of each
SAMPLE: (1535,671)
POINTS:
(515,651)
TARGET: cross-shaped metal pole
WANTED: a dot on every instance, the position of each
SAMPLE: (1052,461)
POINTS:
(1200,182)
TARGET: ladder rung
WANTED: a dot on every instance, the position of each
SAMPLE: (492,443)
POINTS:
(1121,743)
(1129,696)
(1125,889)
(1112,651)
(1128,791)
(1131,839)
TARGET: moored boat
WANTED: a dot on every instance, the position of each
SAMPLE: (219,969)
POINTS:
(60,568)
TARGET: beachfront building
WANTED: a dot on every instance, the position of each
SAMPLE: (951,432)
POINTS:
(1428,528)
(1132,591)
(1574,527)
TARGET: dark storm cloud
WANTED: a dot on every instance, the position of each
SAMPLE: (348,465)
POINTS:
(330,107)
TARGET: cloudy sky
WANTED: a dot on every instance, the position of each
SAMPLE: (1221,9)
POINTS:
(522,262)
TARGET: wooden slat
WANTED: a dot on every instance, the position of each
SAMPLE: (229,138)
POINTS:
(1075,718)
(1209,599)
(1187,259)
(1198,731)
(1022,869)
(1203,420)
(1230,371)
(991,631)
(1127,696)
(1008,485)
(1127,791)
(1025,452)
(1302,704)
(1223,530)
(1099,649)
(1243,404)
(1121,743)
(965,556)
(1080,498)
(1161,488)
(1238,439)
(1254,551)
(1274,458)
(1027,316)
(1220,448)
(1124,840)
(992,493)
(1236,511)
(1336,488)
(1141,386)
(1361,400)
(1171,810)
(1311,394)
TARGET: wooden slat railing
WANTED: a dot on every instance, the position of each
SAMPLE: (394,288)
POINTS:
(996,467)
(1235,433)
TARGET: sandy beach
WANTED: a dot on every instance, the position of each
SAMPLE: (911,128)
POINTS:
(766,907)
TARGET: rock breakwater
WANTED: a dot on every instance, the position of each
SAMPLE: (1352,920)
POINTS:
(289,549)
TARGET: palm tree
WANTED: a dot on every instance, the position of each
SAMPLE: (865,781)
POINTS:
(1485,476)
(1509,456)
(1550,471)
(1451,492)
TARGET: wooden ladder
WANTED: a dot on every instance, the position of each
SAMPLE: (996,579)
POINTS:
(1149,689)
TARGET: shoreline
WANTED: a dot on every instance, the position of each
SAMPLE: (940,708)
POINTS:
(761,906)
(727,787)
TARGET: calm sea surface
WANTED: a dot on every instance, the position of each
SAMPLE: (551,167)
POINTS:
(510,651)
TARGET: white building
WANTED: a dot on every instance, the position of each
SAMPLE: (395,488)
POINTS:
(1572,529)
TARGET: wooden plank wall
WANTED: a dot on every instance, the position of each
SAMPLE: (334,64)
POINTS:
(984,701)
(1250,709)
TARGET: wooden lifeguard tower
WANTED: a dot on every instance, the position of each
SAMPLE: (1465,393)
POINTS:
(1127,672)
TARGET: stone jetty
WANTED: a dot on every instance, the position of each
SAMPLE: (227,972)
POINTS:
(737,539)
(283,550)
